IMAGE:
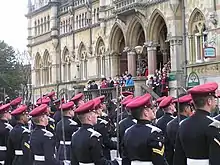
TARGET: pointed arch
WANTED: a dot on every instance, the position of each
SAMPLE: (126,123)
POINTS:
(38,71)
(100,46)
(46,58)
(65,54)
(157,21)
(47,70)
(81,51)
(66,67)
(117,36)
(195,16)
(82,54)
(136,33)
(37,61)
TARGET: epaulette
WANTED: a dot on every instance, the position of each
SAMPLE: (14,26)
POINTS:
(104,114)
(25,130)
(103,121)
(47,133)
(215,124)
(72,122)
(94,133)
(51,119)
(8,126)
(134,120)
(153,128)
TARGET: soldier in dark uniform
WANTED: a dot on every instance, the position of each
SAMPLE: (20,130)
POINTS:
(86,144)
(198,138)
(18,147)
(143,142)
(42,141)
(14,104)
(172,127)
(168,107)
(160,111)
(70,127)
(5,127)
(102,127)
(78,100)
(57,114)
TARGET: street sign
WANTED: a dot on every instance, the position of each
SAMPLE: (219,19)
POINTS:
(209,52)
(193,80)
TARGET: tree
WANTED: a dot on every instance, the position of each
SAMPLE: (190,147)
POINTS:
(11,71)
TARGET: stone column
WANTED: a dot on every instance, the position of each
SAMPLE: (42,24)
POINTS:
(165,56)
(114,61)
(132,67)
(152,59)
(138,83)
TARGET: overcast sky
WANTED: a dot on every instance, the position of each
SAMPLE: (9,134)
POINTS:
(13,28)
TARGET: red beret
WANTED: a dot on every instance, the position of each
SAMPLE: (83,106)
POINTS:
(40,110)
(160,99)
(129,97)
(67,106)
(44,100)
(97,103)
(102,98)
(204,89)
(183,99)
(16,101)
(77,97)
(166,102)
(140,102)
(5,108)
(85,108)
(21,109)
(126,93)
(51,94)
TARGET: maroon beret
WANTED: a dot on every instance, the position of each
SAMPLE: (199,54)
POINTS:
(160,99)
(204,89)
(126,93)
(5,108)
(129,97)
(67,106)
(166,102)
(77,97)
(183,99)
(139,102)
(97,103)
(16,101)
(51,94)
(44,100)
(86,107)
(21,109)
(40,110)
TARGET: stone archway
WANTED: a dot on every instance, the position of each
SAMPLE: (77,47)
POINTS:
(117,45)
(100,58)
(158,46)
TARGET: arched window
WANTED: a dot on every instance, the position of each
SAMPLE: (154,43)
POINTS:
(83,20)
(61,28)
(38,70)
(38,27)
(97,14)
(48,22)
(80,20)
(35,28)
(94,15)
(101,60)
(82,54)
(42,26)
(197,36)
(67,26)
(77,20)
(45,24)
(66,64)
(86,21)
(46,68)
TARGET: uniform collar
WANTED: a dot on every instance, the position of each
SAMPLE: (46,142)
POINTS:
(87,126)
(40,127)
(4,121)
(167,113)
(143,122)
(202,112)
(182,117)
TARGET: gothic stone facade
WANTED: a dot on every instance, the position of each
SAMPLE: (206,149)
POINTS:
(73,41)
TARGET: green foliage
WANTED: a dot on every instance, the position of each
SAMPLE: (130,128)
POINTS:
(11,71)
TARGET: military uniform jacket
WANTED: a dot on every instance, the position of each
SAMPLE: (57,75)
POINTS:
(18,147)
(162,122)
(42,144)
(144,143)
(51,125)
(70,127)
(5,127)
(198,141)
(86,147)
(172,129)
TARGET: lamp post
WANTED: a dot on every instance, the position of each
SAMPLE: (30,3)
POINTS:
(139,51)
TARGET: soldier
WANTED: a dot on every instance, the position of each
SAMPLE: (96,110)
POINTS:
(70,127)
(160,111)
(168,107)
(102,127)
(18,147)
(5,127)
(14,104)
(172,127)
(143,142)
(86,144)
(198,138)
(57,114)
(42,141)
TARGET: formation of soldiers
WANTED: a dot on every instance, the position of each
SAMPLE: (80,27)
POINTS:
(56,132)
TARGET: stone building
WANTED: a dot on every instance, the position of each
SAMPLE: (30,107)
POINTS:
(71,41)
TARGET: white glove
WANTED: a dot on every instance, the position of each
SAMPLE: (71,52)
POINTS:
(67,162)
(119,160)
